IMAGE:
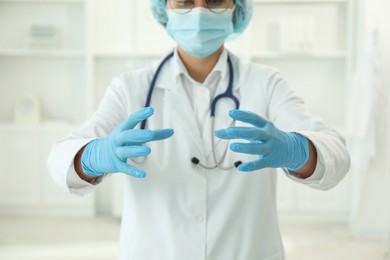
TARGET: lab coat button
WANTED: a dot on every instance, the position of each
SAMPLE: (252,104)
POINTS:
(198,218)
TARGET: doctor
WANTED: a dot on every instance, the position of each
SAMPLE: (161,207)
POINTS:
(199,138)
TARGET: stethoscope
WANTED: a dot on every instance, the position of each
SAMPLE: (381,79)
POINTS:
(228,94)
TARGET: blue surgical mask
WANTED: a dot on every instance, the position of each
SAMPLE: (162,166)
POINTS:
(200,32)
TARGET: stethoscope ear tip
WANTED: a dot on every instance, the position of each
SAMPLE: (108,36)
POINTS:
(238,163)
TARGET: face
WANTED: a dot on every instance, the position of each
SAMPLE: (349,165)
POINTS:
(201,27)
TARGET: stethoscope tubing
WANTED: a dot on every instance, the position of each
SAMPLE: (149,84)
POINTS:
(153,84)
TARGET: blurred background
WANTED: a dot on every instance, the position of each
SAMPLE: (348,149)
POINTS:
(57,58)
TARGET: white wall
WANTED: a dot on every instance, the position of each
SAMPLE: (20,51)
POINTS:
(132,43)
(370,213)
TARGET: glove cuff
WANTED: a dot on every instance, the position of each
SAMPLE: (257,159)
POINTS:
(86,160)
(299,151)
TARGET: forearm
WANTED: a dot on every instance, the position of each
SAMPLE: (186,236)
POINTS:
(79,168)
(308,169)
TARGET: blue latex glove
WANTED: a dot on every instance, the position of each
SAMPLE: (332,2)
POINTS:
(110,154)
(275,148)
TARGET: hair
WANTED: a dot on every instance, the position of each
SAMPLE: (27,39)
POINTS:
(242,13)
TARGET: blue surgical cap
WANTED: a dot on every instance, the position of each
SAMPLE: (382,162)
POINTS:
(242,14)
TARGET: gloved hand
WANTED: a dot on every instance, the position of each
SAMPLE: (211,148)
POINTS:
(110,154)
(275,148)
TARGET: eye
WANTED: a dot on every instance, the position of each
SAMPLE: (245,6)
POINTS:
(182,3)
(216,2)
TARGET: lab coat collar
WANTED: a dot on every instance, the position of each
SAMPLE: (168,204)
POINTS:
(221,66)
(174,68)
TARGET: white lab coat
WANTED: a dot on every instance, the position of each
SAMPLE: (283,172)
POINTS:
(180,211)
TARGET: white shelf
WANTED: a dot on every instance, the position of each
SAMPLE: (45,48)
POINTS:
(300,1)
(58,53)
(38,126)
(132,55)
(276,55)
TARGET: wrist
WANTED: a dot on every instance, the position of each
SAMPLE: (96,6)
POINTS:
(79,169)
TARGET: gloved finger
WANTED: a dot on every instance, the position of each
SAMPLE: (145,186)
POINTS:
(133,151)
(248,117)
(222,134)
(135,118)
(253,165)
(248,133)
(131,170)
(250,148)
(161,134)
(133,136)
